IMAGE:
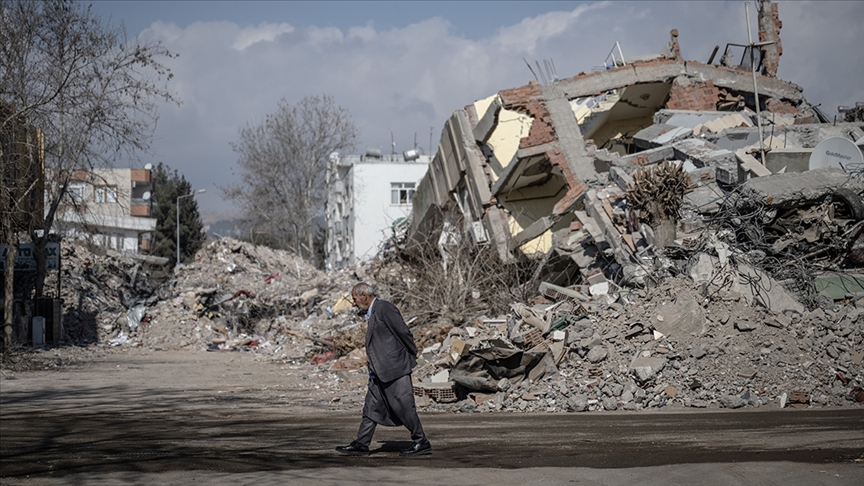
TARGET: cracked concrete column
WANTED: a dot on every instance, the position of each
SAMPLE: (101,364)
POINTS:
(570,141)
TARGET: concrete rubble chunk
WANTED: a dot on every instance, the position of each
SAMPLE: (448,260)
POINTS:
(745,326)
(578,403)
(702,269)
(731,401)
(680,318)
(646,368)
(597,354)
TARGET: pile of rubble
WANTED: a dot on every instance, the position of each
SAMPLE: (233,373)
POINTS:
(699,339)
(234,296)
(666,346)
(98,287)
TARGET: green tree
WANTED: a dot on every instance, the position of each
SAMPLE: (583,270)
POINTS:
(167,187)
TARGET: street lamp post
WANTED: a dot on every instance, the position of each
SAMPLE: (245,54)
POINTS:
(199,191)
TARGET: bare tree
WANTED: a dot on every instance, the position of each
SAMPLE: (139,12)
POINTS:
(282,165)
(91,91)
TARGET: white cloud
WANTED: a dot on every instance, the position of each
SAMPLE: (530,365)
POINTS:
(265,32)
(410,79)
(524,36)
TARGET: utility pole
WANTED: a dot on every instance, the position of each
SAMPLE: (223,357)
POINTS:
(752,46)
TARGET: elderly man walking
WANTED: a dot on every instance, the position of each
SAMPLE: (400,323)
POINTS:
(390,357)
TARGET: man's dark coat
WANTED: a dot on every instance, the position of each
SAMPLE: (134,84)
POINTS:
(390,346)
(390,352)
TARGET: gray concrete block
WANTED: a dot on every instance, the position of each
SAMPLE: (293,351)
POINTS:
(666,71)
(687,118)
(790,159)
(703,153)
(727,174)
(644,369)
(736,138)
(706,198)
(621,177)
(681,318)
(659,135)
(651,156)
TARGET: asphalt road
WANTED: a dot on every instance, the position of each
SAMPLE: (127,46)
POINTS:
(65,435)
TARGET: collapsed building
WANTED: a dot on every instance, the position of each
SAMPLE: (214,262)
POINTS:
(764,196)
(542,170)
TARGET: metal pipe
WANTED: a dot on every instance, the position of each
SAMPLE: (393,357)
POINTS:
(620,53)
(755,87)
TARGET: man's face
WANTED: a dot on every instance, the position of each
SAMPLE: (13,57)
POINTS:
(362,301)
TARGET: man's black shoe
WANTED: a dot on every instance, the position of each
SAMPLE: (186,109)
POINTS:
(353,449)
(419,449)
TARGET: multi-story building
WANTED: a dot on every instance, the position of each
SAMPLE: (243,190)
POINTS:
(111,208)
(367,195)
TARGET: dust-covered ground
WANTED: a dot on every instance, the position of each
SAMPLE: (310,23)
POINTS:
(104,415)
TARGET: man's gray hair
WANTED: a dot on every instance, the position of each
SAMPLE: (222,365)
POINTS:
(363,288)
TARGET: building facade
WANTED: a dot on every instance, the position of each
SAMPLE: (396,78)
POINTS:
(111,208)
(367,195)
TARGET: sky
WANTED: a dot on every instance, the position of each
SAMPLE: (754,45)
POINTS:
(402,68)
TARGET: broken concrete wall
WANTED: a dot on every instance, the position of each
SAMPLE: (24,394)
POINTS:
(769,31)
(692,95)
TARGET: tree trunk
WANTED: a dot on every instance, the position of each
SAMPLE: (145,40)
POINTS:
(9,281)
(664,232)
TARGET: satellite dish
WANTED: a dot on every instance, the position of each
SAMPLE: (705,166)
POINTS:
(836,152)
(146,196)
(148,166)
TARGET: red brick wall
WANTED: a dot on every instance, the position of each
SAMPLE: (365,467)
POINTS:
(526,100)
(769,30)
(776,106)
(693,96)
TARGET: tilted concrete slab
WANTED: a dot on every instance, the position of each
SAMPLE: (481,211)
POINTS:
(666,70)
(796,189)
(757,287)
(488,119)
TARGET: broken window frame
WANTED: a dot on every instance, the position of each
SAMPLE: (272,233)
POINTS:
(744,62)
(402,193)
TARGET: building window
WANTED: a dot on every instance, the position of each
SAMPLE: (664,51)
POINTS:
(75,192)
(401,192)
(106,194)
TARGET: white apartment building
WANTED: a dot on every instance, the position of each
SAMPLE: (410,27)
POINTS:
(367,194)
(111,208)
